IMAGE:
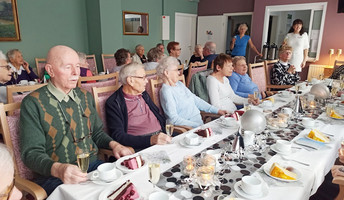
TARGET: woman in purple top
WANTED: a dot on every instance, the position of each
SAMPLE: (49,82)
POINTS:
(239,42)
(21,69)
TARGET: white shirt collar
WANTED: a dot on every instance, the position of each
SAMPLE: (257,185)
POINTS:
(15,69)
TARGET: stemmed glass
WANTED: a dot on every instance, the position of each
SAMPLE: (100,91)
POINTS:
(169,129)
(154,173)
(83,159)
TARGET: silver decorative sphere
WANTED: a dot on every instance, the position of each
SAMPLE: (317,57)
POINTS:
(253,120)
(320,91)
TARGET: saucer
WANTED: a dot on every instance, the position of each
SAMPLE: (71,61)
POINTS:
(124,168)
(225,125)
(184,144)
(242,193)
(273,147)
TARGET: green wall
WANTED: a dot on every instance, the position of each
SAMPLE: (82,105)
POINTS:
(45,23)
(90,26)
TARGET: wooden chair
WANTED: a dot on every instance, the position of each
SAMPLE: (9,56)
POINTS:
(108,61)
(10,130)
(338,63)
(92,64)
(40,66)
(24,89)
(103,80)
(269,64)
(150,74)
(100,95)
(181,69)
(256,72)
(340,181)
(194,68)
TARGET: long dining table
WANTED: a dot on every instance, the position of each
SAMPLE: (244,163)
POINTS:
(320,162)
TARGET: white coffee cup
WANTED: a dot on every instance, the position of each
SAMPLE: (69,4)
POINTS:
(191,139)
(342,97)
(32,82)
(287,111)
(106,172)
(251,185)
(266,103)
(223,197)
(23,82)
(159,196)
(283,146)
(248,138)
(216,153)
(101,73)
(308,122)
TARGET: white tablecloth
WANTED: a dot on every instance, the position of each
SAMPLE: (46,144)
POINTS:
(320,162)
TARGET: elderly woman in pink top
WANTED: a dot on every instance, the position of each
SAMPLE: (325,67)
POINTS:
(132,117)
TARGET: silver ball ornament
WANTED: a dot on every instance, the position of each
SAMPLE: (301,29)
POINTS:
(253,120)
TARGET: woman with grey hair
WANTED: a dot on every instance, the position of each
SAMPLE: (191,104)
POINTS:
(180,105)
(132,117)
(139,56)
(5,76)
(154,56)
(7,188)
(84,70)
(21,68)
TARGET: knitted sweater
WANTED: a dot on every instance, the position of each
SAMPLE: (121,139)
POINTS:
(48,129)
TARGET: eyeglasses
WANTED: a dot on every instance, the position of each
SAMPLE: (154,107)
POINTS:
(6,66)
(9,189)
(178,49)
(141,77)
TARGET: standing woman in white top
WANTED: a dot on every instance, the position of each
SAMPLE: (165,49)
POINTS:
(297,38)
(220,92)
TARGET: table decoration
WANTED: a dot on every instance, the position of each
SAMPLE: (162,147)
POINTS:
(253,120)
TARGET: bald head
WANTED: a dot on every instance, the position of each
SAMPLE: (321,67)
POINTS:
(63,66)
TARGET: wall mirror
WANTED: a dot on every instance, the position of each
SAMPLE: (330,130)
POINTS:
(278,20)
(135,23)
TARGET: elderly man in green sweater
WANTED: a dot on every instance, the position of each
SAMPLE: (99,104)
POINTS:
(58,120)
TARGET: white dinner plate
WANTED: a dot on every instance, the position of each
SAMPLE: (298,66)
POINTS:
(184,144)
(306,136)
(242,193)
(103,195)
(97,181)
(124,168)
(267,168)
(273,147)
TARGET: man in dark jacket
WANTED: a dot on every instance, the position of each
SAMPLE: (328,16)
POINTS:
(132,117)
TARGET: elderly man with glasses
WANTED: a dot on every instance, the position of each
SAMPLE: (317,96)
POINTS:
(59,120)
(5,76)
(132,117)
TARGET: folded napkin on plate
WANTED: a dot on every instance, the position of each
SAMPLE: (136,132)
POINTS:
(159,157)
(314,145)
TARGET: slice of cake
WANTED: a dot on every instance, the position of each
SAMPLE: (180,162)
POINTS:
(278,171)
(336,115)
(134,162)
(205,132)
(318,136)
(126,191)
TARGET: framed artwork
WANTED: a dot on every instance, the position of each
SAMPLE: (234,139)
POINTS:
(9,23)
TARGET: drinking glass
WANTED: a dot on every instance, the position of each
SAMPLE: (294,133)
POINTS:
(169,129)
(334,92)
(247,107)
(15,76)
(256,95)
(341,77)
(83,159)
(154,173)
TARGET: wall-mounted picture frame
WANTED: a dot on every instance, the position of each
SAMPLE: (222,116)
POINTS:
(9,23)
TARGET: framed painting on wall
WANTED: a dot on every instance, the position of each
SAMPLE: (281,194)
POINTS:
(9,23)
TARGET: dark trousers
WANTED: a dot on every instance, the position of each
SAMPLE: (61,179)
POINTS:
(50,183)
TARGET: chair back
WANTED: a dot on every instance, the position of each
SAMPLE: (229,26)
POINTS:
(194,68)
(269,64)
(10,131)
(24,89)
(100,95)
(92,64)
(181,69)
(150,74)
(40,66)
(103,80)
(109,62)
(257,73)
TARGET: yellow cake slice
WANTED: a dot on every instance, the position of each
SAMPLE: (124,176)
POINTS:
(278,171)
(336,115)
(318,136)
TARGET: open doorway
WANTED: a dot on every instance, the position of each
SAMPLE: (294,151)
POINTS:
(233,21)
